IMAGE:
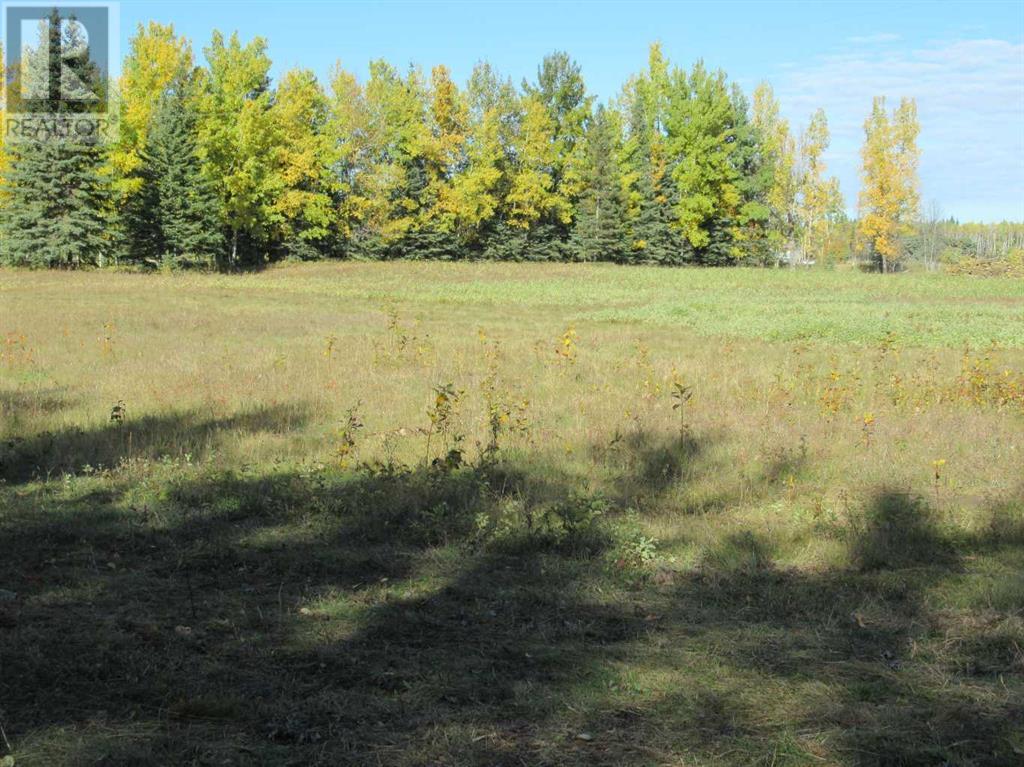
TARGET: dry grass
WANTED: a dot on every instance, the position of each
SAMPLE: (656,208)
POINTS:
(492,514)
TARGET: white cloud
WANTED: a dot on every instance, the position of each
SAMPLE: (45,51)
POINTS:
(970,98)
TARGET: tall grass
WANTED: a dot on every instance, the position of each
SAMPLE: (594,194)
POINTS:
(477,514)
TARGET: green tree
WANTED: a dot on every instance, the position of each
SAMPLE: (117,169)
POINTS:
(560,88)
(347,131)
(157,59)
(702,142)
(174,215)
(651,193)
(534,216)
(468,203)
(56,192)
(386,150)
(3,144)
(600,229)
(438,157)
(238,142)
(305,200)
(748,236)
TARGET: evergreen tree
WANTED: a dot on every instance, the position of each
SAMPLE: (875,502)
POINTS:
(749,230)
(600,230)
(654,236)
(56,195)
(174,217)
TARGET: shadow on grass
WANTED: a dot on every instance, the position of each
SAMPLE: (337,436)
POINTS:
(149,437)
(16,404)
(900,530)
(417,616)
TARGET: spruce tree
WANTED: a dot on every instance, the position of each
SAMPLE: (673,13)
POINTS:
(600,232)
(740,233)
(653,236)
(56,195)
(175,215)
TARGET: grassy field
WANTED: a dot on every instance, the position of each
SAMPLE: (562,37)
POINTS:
(410,514)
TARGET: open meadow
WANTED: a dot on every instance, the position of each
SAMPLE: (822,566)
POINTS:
(511,514)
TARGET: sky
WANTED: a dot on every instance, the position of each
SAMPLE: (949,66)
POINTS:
(962,61)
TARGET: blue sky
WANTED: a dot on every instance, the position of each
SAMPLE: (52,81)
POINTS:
(963,62)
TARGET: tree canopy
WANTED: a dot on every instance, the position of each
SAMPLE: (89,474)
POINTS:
(217,164)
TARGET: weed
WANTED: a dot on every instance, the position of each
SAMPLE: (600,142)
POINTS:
(682,394)
(567,348)
(867,429)
(648,385)
(350,428)
(836,394)
(443,415)
(402,343)
(330,342)
(633,551)
(503,413)
(107,339)
(16,351)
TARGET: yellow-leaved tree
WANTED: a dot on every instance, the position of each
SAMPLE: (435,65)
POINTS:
(779,157)
(348,130)
(532,193)
(820,200)
(443,150)
(157,58)
(305,155)
(889,197)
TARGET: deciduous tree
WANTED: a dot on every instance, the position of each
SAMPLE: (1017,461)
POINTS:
(305,158)
(157,58)
(701,137)
(778,152)
(238,143)
(820,200)
(889,196)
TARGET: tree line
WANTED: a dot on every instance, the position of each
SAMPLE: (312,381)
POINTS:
(216,166)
